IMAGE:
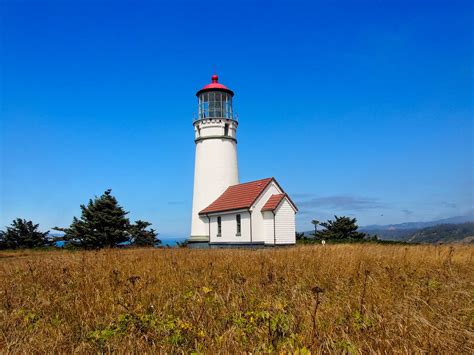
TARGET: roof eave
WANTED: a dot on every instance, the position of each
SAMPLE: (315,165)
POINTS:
(229,91)
(209,213)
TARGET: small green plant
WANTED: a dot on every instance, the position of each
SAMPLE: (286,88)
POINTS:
(100,337)
(346,346)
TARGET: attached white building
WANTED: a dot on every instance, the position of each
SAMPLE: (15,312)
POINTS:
(224,211)
(256,212)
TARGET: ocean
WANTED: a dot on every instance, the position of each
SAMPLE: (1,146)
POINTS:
(165,242)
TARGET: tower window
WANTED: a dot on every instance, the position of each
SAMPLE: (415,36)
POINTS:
(215,104)
(219,226)
(226,129)
(237,219)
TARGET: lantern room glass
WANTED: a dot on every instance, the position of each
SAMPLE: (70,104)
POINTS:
(215,104)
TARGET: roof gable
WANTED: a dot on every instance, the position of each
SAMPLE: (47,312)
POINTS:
(275,200)
(238,196)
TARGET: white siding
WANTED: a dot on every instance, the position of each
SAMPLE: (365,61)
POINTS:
(268,227)
(285,223)
(257,216)
(229,228)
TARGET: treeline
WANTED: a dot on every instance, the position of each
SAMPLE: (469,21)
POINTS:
(103,223)
(341,229)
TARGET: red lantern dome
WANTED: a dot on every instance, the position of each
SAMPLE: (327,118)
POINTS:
(215,85)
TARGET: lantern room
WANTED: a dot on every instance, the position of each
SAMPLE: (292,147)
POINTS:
(215,101)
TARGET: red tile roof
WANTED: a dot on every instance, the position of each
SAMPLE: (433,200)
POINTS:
(238,196)
(273,202)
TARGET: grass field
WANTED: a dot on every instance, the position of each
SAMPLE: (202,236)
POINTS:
(336,298)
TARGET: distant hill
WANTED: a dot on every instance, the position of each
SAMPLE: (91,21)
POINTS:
(418,225)
(454,229)
(391,234)
(445,233)
(404,231)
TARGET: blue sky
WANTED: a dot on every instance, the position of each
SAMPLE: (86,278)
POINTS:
(359,108)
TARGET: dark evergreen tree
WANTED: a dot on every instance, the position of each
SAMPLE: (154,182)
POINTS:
(24,234)
(299,236)
(141,237)
(103,223)
(341,228)
(183,244)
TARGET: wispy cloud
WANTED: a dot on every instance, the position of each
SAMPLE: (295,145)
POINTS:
(341,203)
(407,212)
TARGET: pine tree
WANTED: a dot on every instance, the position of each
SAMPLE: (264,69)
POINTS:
(341,228)
(315,222)
(103,223)
(23,234)
(142,237)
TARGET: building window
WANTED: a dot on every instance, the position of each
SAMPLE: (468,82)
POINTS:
(226,129)
(219,226)
(237,219)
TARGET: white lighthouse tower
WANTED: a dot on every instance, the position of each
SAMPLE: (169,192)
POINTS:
(216,152)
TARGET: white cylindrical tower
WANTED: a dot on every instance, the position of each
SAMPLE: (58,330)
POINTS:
(215,166)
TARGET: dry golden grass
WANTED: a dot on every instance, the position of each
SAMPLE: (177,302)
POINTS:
(340,298)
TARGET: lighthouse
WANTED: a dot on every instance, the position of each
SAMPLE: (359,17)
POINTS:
(225,212)
(215,135)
